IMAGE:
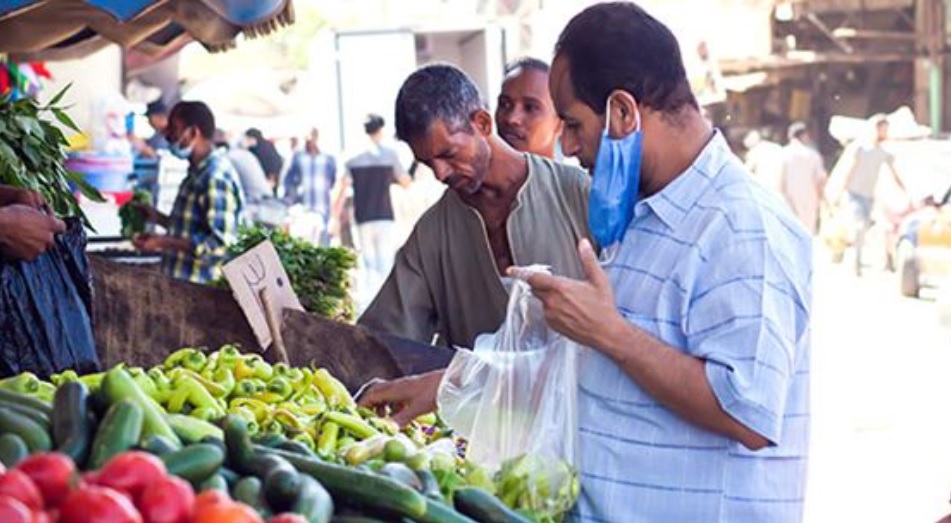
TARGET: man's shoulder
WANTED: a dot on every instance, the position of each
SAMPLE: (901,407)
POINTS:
(557,173)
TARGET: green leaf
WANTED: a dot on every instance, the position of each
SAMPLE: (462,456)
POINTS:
(58,96)
(87,190)
(65,119)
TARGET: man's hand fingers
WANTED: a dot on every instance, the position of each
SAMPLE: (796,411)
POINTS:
(589,261)
(57,225)
(406,415)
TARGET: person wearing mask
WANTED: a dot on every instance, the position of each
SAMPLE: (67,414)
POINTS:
(209,206)
(309,182)
(370,174)
(804,177)
(502,207)
(525,115)
(267,155)
(693,393)
(866,158)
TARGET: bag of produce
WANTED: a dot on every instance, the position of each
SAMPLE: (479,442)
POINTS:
(514,398)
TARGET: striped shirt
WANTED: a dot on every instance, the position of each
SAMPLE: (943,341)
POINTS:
(310,181)
(207,211)
(715,266)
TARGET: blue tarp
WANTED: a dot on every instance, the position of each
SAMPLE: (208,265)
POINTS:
(63,29)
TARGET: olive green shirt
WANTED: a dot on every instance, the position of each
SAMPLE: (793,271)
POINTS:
(445,279)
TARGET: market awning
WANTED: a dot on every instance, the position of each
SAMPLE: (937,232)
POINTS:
(67,29)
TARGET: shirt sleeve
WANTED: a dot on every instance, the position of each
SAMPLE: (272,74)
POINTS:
(222,206)
(746,319)
(404,306)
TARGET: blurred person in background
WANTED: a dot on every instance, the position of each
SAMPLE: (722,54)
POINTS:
(370,174)
(209,206)
(271,160)
(764,159)
(525,116)
(309,182)
(157,115)
(254,182)
(803,177)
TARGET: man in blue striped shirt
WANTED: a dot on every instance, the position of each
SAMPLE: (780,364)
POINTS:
(694,398)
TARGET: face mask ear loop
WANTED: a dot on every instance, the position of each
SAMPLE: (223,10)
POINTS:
(607,117)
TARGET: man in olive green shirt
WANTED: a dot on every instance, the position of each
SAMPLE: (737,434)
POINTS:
(504,208)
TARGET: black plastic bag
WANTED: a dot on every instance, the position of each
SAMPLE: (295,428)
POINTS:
(45,310)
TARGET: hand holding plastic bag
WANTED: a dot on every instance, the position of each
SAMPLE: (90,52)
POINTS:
(514,398)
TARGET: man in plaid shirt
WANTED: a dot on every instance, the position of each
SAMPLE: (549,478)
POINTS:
(209,205)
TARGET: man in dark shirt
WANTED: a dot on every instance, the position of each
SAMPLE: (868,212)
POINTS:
(371,174)
(264,150)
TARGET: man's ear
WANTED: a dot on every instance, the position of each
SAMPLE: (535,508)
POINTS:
(625,113)
(482,121)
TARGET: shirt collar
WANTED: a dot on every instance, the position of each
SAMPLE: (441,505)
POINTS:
(673,202)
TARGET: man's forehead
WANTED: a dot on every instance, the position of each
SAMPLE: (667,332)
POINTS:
(562,91)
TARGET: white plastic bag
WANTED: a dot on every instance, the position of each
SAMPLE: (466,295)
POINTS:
(514,398)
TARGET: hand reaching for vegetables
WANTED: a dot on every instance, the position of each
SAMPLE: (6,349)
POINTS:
(407,397)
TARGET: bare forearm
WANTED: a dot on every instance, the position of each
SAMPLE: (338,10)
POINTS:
(676,380)
(170,243)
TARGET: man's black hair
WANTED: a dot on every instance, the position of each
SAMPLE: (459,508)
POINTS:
(527,63)
(618,45)
(195,114)
(436,92)
(373,123)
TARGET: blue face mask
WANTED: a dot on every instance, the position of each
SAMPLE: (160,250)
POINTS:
(614,186)
(180,151)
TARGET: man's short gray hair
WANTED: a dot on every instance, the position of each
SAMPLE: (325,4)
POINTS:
(436,92)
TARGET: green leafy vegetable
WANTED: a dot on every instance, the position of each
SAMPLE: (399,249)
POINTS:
(133,221)
(319,275)
(33,154)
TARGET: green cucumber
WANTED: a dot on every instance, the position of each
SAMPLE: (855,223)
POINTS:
(193,430)
(12,450)
(72,421)
(295,446)
(481,505)
(38,417)
(248,491)
(269,439)
(437,512)
(215,482)
(262,465)
(282,487)
(238,443)
(403,474)
(195,463)
(231,477)
(119,431)
(118,385)
(157,445)
(36,437)
(314,502)
(356,487)
(16,398)
(430,484)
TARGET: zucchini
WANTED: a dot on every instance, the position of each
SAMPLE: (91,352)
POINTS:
(72,421)
(263,465)
(248,491)
(16,398)
(269,439)
(38,417)
(282,487)
(12,450)
(195,463)
(193,430)
(295,446)
(240,450)
(430,484)
(157,445)
(437,512)
(481,505)
(119,431)
(355,487)
(36,437)
(313,502)
(231,477)
(118,385)
(403,474)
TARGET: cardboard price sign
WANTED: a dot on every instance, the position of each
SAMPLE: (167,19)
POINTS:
(263,290)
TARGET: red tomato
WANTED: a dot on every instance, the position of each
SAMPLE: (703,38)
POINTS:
(131,472)
(168,500)
(14,511)
(43,517)
(97,505)
(227,512)
(211,497)
(19,486)
(54,474)
(287,517)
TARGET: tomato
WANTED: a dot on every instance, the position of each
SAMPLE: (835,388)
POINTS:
(54,474)
(287,517)
(229,512)
(130,472)
(97,505)
(14,511)
(43,517)
(19,486)
(168,500)
(211,497)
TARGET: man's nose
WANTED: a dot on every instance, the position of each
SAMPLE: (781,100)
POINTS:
(569,144)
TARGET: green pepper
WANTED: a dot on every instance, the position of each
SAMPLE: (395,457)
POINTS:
(228,356)
(93,381)
(273,427)
(334,392)
(256,407)
(278,389)
(289,420)
(163,384)
(198,395)
(215,389)
(304,438)
(248,387)
(142,379)
(178,398)
(24,383)
(45,391)
(207,414)
(253,366)
(327,442)
(352,424)
(63,377)
(176,358)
